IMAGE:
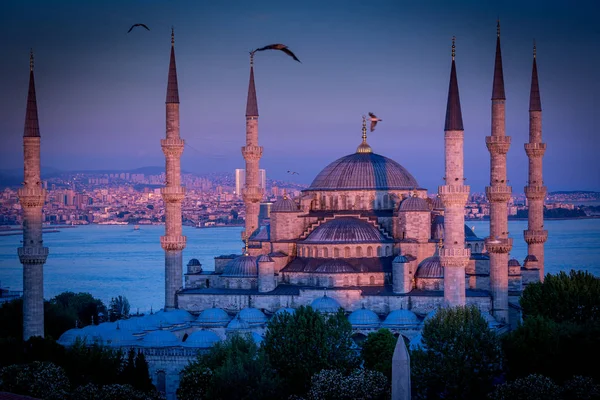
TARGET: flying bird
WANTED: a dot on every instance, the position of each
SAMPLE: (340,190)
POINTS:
(373,118)
(293,173)
(278,46)
(134,25)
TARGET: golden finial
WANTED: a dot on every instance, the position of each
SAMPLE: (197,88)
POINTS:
(453,47)
(440,244)
(246,246)
(31,59)
(364,146)
(251,58)
(172,36)
(534,49)
(498,27)
(284,194)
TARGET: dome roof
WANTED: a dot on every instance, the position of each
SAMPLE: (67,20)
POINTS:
(119,338)
(159,339)
(364,171)
(257,338)
(138,324)
(213,317)
(194,263)
(530,257)
(289,310)
(364,318)
(284,204)
(414,203)
(238,324)
(416,342)
(513,263)
(335,266)
(437,204)
(252,316)
(241,267)
(346,230)
(326,305)
(430,268)
(264,258)
(201,339)
(400,259)
(70,336)
(400,319)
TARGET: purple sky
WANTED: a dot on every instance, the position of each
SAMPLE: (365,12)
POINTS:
(101,91)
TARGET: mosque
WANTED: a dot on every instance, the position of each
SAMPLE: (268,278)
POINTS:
(364,237)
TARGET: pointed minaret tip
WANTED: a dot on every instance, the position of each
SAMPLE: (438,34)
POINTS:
(453,47)
(535,102)
(32,128)
(498,85)
(172,37)
(31,59)
(172,87)
(498,27)
(251,103)
(453,111)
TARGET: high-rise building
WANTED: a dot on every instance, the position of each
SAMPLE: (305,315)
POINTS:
(240,180)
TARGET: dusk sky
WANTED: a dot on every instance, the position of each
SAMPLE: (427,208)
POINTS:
(101,91)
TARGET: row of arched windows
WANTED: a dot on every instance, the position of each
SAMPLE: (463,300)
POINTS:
(348,252)
(357,202)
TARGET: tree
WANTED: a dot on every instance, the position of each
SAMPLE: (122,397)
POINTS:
(378,350)
(38,379)
(141,376)
(118,308)
(112,392)
(68,308)
(460,358)
(533,387)
(302,344)
(360,384)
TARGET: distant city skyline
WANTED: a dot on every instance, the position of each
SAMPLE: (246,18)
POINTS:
(101,91)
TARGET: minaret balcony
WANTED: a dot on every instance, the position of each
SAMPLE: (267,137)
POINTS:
(32,255)
(535,150)
(498,245)
(252,152)
(172,147)
(535,236)
(498,194)
(32,197)
(454,257)
(172,194)
(454,195)
(497,144)
(535,192)
(173,243)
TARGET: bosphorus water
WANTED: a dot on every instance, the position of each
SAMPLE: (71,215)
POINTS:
(112,260)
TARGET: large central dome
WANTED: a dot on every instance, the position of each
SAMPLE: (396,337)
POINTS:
(364,171)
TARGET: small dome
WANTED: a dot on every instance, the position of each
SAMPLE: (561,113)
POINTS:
(213,317)
(414,203)
(364,318)
(334,266)
(257,338)
(194,262)
(530,258)
(137,324)
(264,258)
(241,267)
(288,310)
(120,338)
(201,339)
(159,339)
(430,268)
(437,204)
(399,319)
(69,337)
(513,263)
(283,205)
(252,316)
(177,316)
(239,325)
(346,230)
(400,259)
(325,305)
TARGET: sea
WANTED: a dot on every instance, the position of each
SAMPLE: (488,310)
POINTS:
(112,260)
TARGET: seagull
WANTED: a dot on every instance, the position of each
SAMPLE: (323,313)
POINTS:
(134,25)
(278,46)
(373,118)
(293,173)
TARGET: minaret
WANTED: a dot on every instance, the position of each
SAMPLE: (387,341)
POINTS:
(32,196)
(252,192)
(535,235)
(173,242)
(498,244)
(454,256)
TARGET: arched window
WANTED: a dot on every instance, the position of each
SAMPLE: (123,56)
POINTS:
(378,251)
(347,252)
(346,283)
(331,282)
(469,246)
(358,251)
(161,381)
(207,283)
(386,201)
(358,280)
(336,252)
(325,252)
(388,251)
(369,251)
(476,247)
(371,280)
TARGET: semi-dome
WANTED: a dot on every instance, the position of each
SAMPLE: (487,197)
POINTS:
(364,171)
(346,230)
(326,305)
(201,339)
(284,205)
(241,267)
(364,318)
(159,339)
(213,317)
(431,267)
(335,266)
(414,203)
(252,316)
(399,319)
(288,310)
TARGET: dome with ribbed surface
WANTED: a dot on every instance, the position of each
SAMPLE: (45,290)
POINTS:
(283,205)
(160,339)
(335,266)
(437,204)
(346,230)
(241,267)
(513,263)
(264,258)
(238,325)
(430,267)
(194,263)
(253,316)
(364,318)
(414,203)
(399,319)
(212,317)
(364,171)
(288,310)
(201,339)
(326,305)
(400,259)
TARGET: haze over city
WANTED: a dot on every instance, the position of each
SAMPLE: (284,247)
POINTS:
(101,90)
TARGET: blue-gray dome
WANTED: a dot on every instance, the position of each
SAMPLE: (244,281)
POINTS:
(264,258)
(364,171)
(346,230)
(119,338)
(174,317)
(513,263)
(414,203)
(194,263)
(283,205)
(400,319)
(241,267)
(257,338)
(326,305)
(69,337)
(289,310)
(239,325)
(201,339)
(400,259)
(334,266)
(364,318)
(213,317)
(430,268)
(253,316)
(159,339)
(416,342)
(437,204)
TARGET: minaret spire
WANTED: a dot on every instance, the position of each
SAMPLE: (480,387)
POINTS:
(32,197)
(535,103)
(498,85)
(251,103)
(173,242)
(454,256)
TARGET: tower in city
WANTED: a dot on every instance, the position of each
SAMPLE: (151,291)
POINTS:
(32,196)
(252,152)
(535,191)
(454,256)
(173,242)
(498,244)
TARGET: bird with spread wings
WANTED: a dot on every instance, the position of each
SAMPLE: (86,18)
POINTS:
(293,173)
(134,25)
(373,118)
(278,46)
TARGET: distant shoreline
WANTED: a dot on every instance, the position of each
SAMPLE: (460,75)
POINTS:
(545,219)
